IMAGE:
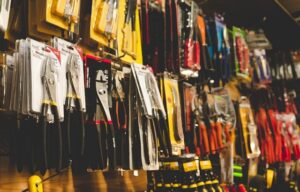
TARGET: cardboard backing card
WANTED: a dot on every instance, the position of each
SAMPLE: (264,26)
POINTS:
(4,14)
(39,52)
(20,89)
(66,48)
(149,99)
(173,108)
(140,74)
(12,104)
(25,80)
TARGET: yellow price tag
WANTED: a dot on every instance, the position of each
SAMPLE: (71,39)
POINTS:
(190,166)
(205,165)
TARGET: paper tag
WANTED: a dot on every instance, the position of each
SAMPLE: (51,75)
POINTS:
(37,57)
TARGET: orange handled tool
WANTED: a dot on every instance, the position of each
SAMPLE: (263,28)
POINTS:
(204,137)
(218,129)
(212,137)
(227,132)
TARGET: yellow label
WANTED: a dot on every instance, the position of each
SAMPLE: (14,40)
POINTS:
(73,96)
(190,166)
(176,185)
(201,183)
(49,102)
(270,176)
(193,186)
(205,165)
(184,186)
(159,184)
(215,181)
(168,185)
(171,165)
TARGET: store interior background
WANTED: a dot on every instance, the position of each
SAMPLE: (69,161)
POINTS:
(280,20)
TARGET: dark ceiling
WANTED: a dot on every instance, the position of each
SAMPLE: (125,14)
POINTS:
(273,16)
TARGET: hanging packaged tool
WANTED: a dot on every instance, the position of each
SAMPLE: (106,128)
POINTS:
(296,62)
(151,118)
(50,123)
(290,136)
(241,53)
(262,68)
(104,22)
(258,44)
(249,129)
(191,40)
(222,49)
(120,113)
(266,136)
(227,118)
(64,14)
(200,131)
(153,34)
(4,14)
(38,53)
(6,80)
(73,95)
(172,100)
(99,119)
(37,99)
(189,94)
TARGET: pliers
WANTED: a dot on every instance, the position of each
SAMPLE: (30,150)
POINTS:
(121,116)
(159,117)
(102,94)
(200,135)
(73,108)
(49,121)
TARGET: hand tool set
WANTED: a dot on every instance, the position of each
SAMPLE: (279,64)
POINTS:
(150,85)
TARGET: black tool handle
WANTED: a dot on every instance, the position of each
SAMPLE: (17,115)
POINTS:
(59,137)
(81,119)
(43,139)
(112,146)
(164,126)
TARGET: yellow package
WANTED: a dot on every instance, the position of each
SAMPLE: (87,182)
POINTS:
(63,14)
(134,39)
(95,14)
(173,108)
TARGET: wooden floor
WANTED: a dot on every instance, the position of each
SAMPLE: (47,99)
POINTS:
(12,181)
